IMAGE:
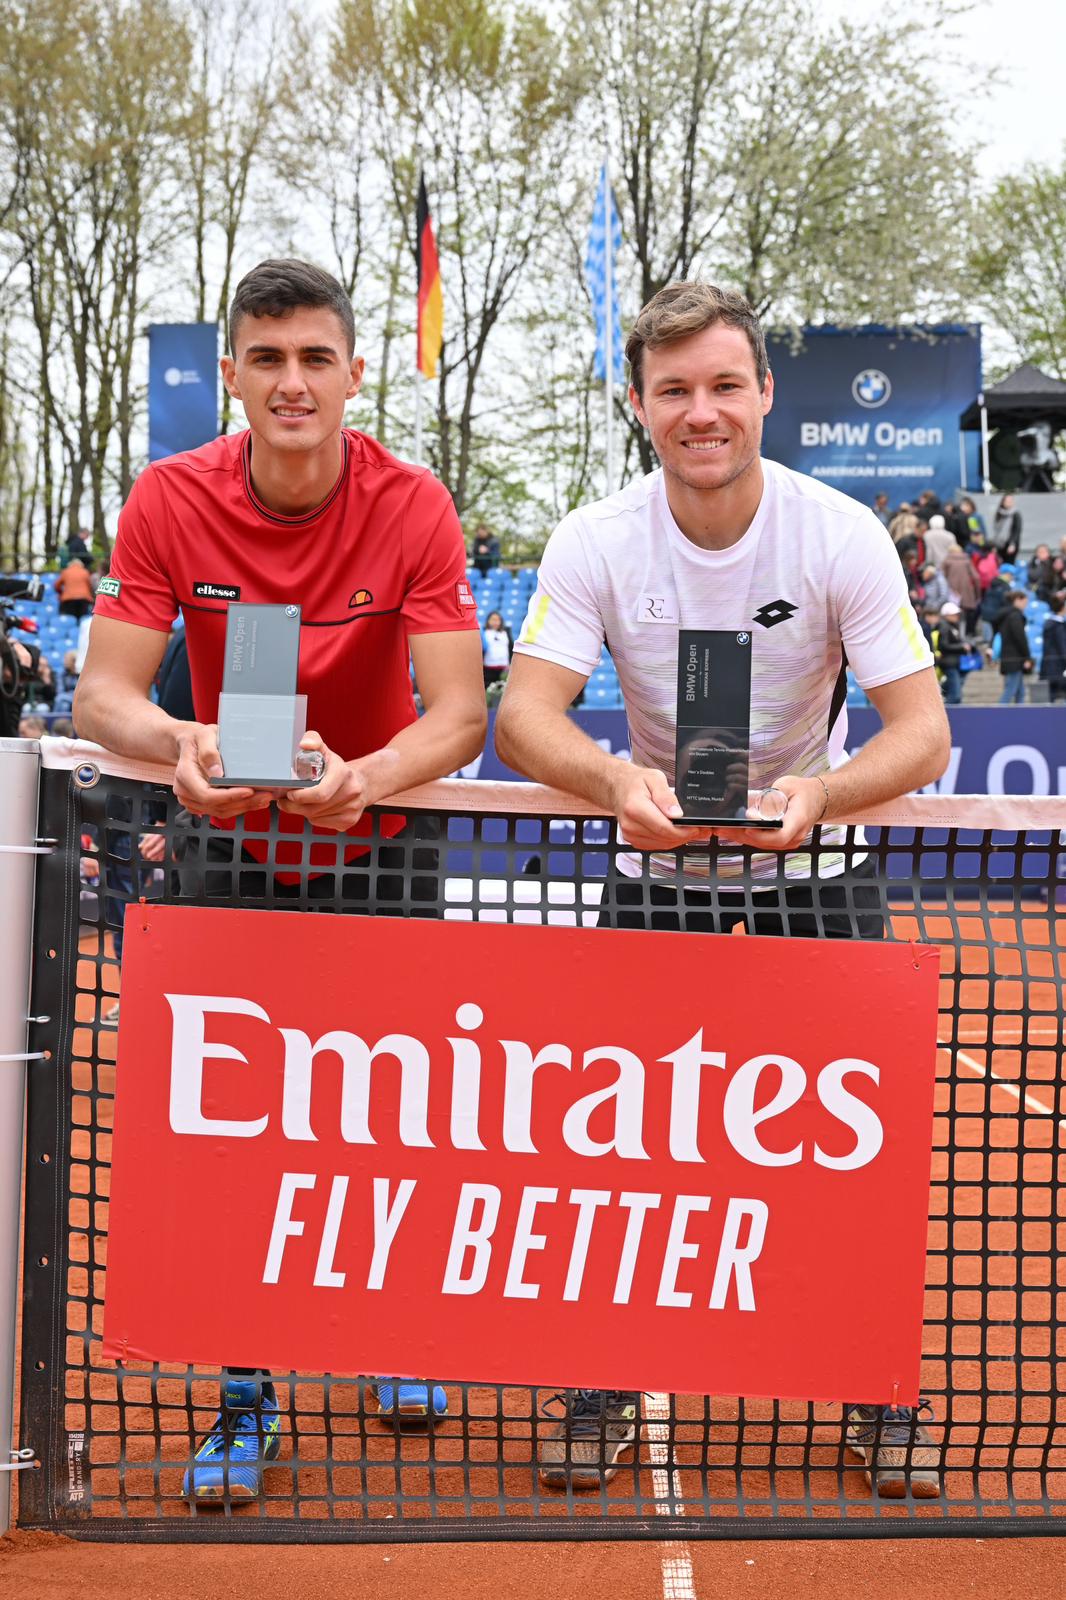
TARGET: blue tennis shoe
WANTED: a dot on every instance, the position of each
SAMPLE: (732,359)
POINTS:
(409,1397)
(229,1460)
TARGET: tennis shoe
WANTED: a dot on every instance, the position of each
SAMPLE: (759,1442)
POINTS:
(583,1449)
(897,1449)
(409,1397)
(229,1460)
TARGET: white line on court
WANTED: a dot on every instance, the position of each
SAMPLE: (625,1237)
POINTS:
(678,1580)
(1030,1101)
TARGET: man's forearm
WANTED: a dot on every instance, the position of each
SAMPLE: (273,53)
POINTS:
(443,739)
(548,746)
(898,760)
(124,721)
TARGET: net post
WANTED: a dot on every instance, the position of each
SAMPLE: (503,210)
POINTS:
(20,767)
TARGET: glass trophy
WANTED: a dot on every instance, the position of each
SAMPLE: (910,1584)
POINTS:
(261,718)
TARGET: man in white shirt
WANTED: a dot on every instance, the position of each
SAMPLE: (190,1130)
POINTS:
(717,538)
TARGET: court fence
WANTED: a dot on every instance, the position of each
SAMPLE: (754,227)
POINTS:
(104,1445)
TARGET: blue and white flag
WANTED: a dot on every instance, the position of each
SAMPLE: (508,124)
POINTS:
(596,274)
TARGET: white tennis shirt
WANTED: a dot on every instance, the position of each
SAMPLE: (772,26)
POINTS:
(815,575)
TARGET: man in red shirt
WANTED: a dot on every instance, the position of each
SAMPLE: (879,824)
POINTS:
(296,510)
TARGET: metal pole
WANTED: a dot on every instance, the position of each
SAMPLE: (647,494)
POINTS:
(962,461)
(20,766)
(608,219)
(418,416)
(986,482)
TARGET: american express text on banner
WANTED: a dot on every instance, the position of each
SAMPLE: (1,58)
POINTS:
(873,411)
(539,1155)
(182,386)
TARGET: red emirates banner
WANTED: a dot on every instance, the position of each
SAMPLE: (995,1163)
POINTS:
(537,1155)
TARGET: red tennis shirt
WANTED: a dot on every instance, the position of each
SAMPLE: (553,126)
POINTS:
(381,558)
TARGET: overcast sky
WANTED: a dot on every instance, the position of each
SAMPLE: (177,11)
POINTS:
(1024,119)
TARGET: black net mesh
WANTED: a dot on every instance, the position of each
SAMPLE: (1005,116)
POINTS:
(114,1441)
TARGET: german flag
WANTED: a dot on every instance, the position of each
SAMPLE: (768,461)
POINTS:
(430,297)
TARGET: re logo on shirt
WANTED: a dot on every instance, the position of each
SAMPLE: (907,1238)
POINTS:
(216,591)
(657,608)
(463,594)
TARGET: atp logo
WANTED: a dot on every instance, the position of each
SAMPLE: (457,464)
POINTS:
(870,388)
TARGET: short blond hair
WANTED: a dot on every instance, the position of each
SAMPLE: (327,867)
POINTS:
(685,308)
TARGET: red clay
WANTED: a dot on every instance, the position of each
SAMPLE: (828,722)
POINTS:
(36,1566)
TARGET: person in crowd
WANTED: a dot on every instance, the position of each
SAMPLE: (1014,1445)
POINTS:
(1014,660)
(497,644)
(971,517)
(723,535)
(32,727)
(1058,578)
(1007,529)
(295,509)
(964,585)
(68,678)
(912,572)
(935,586)
(62,728)
(77,544)
(939,543)
(1053,659)
(985,561)
(881,509)
(903,525)
(75,590)
(42,687)
(1038,572)
(994,603)
(949,652)
(928,504)
(929,622)
(955,523)
(484,549)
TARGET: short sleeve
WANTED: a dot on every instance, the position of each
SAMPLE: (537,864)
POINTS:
(437,598)
(564,622)
(877,621)
(138,588)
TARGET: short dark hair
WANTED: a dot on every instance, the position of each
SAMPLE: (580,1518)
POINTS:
(278,288)
(1058,602)
(1018,594)
(685,308)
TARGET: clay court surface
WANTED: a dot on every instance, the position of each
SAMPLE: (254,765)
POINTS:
(37,1566)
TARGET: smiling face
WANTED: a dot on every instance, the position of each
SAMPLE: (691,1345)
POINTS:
(703,407)
(293,375)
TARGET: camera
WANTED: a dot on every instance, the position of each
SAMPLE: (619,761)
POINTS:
(15,677)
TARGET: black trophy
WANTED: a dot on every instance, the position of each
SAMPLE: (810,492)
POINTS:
(714,734)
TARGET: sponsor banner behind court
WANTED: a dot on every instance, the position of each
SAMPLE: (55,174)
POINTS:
(552,1156)
(874,410)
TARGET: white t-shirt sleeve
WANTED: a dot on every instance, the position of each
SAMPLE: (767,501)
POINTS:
(878,624)
(564,623)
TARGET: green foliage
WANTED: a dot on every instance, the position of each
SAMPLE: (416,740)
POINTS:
(1020,263)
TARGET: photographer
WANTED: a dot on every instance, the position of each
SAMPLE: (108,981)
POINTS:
(18,662)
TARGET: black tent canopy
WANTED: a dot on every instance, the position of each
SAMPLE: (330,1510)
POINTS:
(1023,397)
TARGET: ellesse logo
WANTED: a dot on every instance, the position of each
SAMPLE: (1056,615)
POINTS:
(361,597)
(216,591)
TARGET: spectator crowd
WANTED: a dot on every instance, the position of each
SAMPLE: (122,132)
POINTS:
(976,600)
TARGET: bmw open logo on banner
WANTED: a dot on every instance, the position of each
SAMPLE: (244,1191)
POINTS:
(742,638)
(870,388)
(292,611)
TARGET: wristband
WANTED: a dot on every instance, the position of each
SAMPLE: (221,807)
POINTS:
(825,803)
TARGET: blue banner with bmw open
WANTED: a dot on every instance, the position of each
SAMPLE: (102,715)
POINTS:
(182,386)
(876,410)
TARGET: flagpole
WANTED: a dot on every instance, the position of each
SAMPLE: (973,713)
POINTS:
(418,416)
(609,326)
